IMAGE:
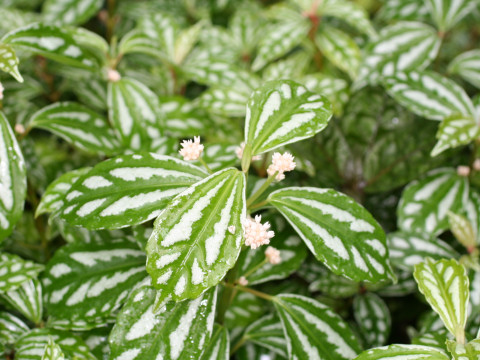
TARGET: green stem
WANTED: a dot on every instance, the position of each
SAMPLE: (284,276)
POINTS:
(258,205)
(257,293)
(238,345)
(205,165)
(255,268)
(111,19)
(262,189)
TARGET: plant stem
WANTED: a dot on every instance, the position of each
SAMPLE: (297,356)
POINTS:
(261,190)
(258,205)
(205,165)
(228,295)
(255,268)
(238,345)
(257,293)
(111,19)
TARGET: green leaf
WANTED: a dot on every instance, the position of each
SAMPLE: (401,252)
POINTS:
(135,113)
(53,351)
(13,182)
(182,118)
(85,284)
(27,299)
(178,332)
(408,249)
(454,131)
(282,112)
(469,351)
(334,89)
(32,345)
(373,318)
(446,288)
(337,230)
(53,198)
(163,29)
(406,285)
(137,41)
(219,346)
(198,237)
(78,125)
(333,285)
(70,11)
(403,46)
(53,42)
(224,101)
(467,66)
(463,230)
(397,351)
(434,339)
(9,61)
(429,94)
(243,310)
(403,10)
(127,190)
(14,271)
(268,333)
(425,203)
(339,48)
(446,13)
(11,328)
(350,12)
(313,331)
(278,39)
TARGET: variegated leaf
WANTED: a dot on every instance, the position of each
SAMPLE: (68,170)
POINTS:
(282,112)
(11,328)
(53,42)
(163,29)
(182,118)
(373,318)
(14,271)
(469,351)
(433,339)
(472,212)
(446,13)
(425,203)
(78,125)
(445,285)
(463,230)
(350,12)
(219,346)
(9,61)
(228,102)
(219,156)
(127,190)
(403,46)
(337,230)
(313,331)
(13,181)
(405,285)
(137,41)
(454,131)
(332,285)
(31,346)
(408,249)
(429,94)
(467,65)
(334,89)
(86,283)
(53,351)
(243,310)
(279,39)
(268,333)
(53,198)
(198,237)
(70,11)
(135,113)
(179,331)
(340,49)
(26,299)
(403,10)
(397,351)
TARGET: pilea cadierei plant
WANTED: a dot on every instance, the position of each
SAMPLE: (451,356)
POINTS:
(251,180)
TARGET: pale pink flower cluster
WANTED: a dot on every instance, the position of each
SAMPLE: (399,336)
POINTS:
(20,129)
(463,170)
(280,165)
(113,75)
(476,165)
(242,281)
(191,150)
(239,152)
(256,233)
(1,91)
(273,255)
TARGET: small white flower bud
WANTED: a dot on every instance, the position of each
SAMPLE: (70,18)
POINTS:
(273,255)
(242,281)
(113,75)
(463,170)
(19,129)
